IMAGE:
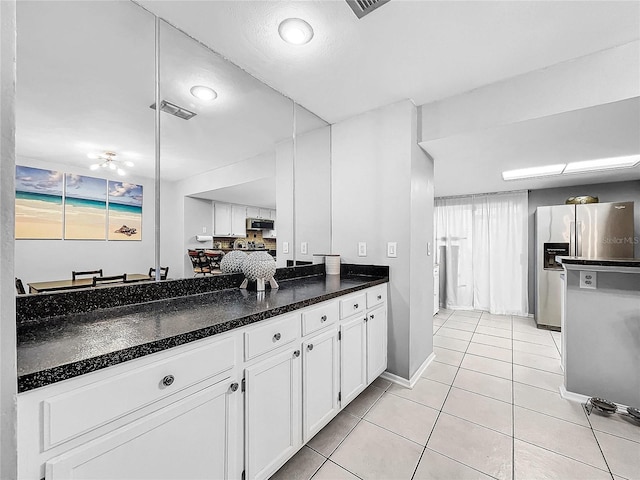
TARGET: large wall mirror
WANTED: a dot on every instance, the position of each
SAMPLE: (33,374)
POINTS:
(247,169)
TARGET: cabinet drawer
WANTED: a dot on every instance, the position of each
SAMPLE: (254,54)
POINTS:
(271,336)
(352,305)
(83,409)
(376,295)
(319,317)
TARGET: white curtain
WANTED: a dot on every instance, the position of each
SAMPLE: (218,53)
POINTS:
(481,245)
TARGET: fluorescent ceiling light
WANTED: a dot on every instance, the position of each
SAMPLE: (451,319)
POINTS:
(544,171)
(295,31)
(203,93)
(603,164)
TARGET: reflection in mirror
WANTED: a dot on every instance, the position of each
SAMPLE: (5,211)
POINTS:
(312,193)
(220,169)
(85,80)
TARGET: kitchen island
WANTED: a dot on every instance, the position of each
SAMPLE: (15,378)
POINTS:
(601,329)
(223,383)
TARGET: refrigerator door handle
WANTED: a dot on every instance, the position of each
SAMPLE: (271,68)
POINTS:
(578,239)
(572,239)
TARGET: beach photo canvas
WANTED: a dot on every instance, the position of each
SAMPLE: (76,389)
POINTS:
(85,208)
(39,207)
(125,211)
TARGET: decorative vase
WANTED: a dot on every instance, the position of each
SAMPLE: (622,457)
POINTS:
(259,267)
(232,262)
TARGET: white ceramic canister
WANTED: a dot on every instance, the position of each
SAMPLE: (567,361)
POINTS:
(332,264)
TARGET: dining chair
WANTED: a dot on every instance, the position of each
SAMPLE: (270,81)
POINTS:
(163,272)
(109,280)
(75,274)
(200,262)
(215,257)
(20,287)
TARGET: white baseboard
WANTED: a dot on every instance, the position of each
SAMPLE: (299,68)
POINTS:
(393,378)
(574,397)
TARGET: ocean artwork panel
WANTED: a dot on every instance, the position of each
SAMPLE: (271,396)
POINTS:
(39,206)
(85,210)
(125,211)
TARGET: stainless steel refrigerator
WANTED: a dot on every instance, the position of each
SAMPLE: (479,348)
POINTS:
(595,230)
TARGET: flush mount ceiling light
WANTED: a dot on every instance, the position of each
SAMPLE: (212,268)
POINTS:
(109,161)
(203,93)
(295,31)
(603,164)
(532,172)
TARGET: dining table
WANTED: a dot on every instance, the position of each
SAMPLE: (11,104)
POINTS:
(69,284)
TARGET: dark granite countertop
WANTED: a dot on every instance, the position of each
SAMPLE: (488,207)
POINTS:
(600,262)
(66,346)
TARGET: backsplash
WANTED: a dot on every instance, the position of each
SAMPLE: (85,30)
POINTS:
(252,236)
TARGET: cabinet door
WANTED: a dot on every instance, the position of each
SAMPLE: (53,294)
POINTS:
(353,358)
(194,438)
(253,212)
(320,382)
(272,413)
(376,342)
(238,221)
(222,219)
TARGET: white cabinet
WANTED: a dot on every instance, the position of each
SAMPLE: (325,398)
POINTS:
(222,219)
(376,343)
(189,439)
(253,212)
(353,358)
(320,381)
(272,412)
(229,220)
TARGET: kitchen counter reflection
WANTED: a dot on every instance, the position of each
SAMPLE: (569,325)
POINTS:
(66,346)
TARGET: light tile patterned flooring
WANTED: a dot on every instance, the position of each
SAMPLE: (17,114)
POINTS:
(487,407)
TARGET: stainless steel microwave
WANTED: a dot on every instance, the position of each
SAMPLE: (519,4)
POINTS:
(259,224)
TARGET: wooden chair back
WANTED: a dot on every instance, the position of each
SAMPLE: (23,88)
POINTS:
(164,271)
(20,286)
(109,280)
(75,274)
(200,262)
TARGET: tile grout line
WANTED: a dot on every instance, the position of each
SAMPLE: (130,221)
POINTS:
(604,457)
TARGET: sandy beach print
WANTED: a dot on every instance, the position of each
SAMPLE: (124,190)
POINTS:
(125,211)
(85,210)
(39,212)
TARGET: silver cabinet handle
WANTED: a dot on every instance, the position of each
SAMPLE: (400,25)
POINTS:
(168,380)
(371,316)
(355,305)
(379,297)
(234,386)
(366,319)
(323,318)
(277,337)
(310,347)
(296,353)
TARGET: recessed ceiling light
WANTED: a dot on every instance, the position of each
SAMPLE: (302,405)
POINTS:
(544,171)
(203,93)
(603,164)
(295,31)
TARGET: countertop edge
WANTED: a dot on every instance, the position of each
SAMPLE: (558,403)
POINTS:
(601,262)
(33,380)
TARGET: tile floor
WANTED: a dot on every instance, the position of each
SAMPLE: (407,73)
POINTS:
(487,407)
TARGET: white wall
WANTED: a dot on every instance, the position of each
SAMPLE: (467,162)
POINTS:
(313,194)
(382,192)
(41,260)
(8,375)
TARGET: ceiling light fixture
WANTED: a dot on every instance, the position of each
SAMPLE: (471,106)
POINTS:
(544,171)
(603,164)
(295,31)
(109,161)
(203,93)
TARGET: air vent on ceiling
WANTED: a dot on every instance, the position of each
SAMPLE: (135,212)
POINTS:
(174,110)
(364,7)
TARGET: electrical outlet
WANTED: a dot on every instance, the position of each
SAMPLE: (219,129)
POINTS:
(392,249)
(303,248)
(588,279)
(285,247)
(362,249)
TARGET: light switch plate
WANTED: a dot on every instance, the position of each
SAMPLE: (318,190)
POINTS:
(303,248)
(362,249)
(285,247)
(428,249)
(204,229)
(588,279)
(392,249)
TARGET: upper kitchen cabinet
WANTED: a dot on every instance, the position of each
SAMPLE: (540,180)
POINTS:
(85,144)
(229,220)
